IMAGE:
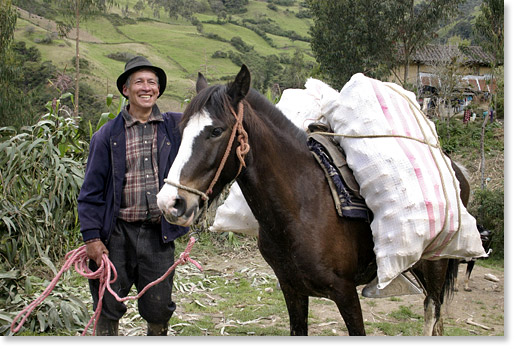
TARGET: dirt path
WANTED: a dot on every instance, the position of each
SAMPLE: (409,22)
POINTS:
(478,312)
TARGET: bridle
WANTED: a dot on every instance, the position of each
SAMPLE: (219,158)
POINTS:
(241,152)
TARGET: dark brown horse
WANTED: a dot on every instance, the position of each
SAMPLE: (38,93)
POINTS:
(312,250)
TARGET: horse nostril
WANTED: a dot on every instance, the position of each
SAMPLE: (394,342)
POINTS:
(180,206)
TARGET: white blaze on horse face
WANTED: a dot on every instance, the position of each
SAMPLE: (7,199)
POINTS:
(168,194)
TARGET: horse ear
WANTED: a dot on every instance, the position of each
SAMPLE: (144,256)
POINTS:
(201,83)
(239,88)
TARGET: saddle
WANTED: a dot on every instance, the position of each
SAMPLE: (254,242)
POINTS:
(343,186)
(349,203)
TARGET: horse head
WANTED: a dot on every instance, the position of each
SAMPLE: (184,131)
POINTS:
(200,170)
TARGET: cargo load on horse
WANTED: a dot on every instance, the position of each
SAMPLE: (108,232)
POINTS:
(405,178)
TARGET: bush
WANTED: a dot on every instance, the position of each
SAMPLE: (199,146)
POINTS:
(488,208)
(41,172)
(454,135)
(121,56)
(240,45)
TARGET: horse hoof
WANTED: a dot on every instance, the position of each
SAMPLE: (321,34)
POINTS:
(467,289)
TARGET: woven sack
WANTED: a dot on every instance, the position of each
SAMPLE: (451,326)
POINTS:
(404,176)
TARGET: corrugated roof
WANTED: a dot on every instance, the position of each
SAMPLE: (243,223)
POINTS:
(443,53)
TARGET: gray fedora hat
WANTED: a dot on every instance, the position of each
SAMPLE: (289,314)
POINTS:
(137,63)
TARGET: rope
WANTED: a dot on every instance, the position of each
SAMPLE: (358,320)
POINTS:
(242,149)
(184,187)
(423,141)
(79,259)
(241,152)
(375,136)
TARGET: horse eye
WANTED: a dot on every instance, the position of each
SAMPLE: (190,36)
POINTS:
(216,132)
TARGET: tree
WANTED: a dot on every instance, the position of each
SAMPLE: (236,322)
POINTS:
(351,36)
(73,12)
(416,24)
(449,72)
(9,70)
(489,28)
(373,36)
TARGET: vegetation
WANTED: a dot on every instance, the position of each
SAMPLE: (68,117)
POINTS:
(44,146)
(373,36)
(463,141)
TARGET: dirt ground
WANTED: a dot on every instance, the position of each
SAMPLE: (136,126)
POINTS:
(480,311)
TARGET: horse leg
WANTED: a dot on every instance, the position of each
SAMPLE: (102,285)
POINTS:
(348,302)
(434,275)
(297,306)
(433,321)
(469,269)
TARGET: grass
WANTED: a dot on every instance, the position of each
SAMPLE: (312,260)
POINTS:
(174,44)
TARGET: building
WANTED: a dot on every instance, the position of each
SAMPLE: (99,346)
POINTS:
(464,71)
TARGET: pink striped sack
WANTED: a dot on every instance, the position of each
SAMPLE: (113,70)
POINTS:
(404,177)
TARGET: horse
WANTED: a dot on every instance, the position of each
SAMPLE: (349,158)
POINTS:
(311,249)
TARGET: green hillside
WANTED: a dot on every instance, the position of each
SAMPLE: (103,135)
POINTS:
(177,45)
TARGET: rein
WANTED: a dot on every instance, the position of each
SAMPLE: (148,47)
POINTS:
(79,259)
(241,152)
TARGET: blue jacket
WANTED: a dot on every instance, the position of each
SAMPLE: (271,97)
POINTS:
(101,193)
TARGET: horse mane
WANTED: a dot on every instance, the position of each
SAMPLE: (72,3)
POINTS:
(274,117)
(261,107)
(215,92)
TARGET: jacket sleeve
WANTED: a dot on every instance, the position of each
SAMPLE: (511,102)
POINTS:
(92,200)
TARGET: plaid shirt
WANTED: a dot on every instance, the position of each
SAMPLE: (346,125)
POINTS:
(141,169)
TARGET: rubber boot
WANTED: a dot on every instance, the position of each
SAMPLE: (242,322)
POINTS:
(106,327)
(157,329)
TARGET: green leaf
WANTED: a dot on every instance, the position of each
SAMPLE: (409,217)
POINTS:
(41,319)
(66,95)
(109,99)
(12,275)
(104,117)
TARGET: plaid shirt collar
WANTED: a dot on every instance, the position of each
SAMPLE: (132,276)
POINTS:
(131,121)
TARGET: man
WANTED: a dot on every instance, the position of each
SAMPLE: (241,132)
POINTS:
(129,158)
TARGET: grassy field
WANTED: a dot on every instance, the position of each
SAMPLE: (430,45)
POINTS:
(174,44)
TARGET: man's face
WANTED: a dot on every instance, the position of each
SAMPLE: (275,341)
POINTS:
(143,89)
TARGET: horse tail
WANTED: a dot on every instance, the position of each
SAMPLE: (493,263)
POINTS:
(450,279)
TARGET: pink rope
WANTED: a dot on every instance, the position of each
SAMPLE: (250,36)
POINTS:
(79,259)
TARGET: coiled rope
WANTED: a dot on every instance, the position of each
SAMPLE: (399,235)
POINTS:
(79,259)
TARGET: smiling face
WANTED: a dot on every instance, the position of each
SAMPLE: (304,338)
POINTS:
(142,91)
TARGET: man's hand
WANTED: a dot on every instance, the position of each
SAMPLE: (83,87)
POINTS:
(95,250)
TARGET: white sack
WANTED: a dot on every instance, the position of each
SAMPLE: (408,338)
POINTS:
(235,215)
(416,214)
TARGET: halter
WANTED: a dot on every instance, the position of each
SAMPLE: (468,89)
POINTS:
(241,152)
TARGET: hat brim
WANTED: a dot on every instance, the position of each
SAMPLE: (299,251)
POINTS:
(159,72)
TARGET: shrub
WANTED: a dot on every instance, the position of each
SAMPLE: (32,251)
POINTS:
(41,172)
(121,56)
(488,208)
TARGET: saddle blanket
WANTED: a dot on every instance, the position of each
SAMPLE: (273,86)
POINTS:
(332,159)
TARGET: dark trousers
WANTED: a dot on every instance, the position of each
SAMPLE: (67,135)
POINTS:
(140,257)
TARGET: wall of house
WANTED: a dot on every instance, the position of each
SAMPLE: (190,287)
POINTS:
(414,70)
